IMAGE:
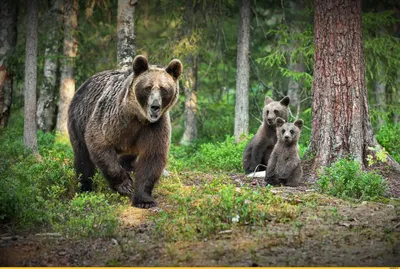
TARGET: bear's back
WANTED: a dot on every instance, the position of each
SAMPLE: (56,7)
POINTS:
(89,93)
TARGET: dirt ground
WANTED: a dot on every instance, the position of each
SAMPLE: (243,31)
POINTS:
(328,232)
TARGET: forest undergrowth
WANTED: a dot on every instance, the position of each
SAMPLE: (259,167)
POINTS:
(208,212)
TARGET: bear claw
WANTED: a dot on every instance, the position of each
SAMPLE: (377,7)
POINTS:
(125,188)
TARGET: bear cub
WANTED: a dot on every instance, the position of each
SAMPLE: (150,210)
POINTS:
(259,149)
(284,166)
(118,121)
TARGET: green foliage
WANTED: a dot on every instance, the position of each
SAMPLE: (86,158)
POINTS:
(388,137)
(86,215)
(205,210)
(380,155)
(345,179)
(40,191)
(219,156)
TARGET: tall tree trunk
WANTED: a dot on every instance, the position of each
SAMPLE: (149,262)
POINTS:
(30,79)
(126,50)
(190,133)
(295,16)
(380,99)
(46,108)
(67,81)
(8,40)
(341,122)
(294,88)
(243,71)
(190,73)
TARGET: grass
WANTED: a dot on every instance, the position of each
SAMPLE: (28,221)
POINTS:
(204,210)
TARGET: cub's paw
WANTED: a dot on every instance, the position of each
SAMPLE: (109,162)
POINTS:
(271,181)
(125,188)
(143,201)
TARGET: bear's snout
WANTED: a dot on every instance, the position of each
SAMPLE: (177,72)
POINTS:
(154,106)
(271,121)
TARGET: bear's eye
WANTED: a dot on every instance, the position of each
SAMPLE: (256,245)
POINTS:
(283,131)
(291,131)
(276,112)
(267,112)
(163,89)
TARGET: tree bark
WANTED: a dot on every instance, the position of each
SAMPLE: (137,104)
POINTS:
(46,108)
(243,71)
(30,79)
(67,81)
(126,50)
(341,123)
(8,40)
(190,133)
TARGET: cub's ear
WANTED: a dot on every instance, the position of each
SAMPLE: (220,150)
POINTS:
(285,101)
(174,68)
(279,122)
(299,123)
(267,100)
(140,64)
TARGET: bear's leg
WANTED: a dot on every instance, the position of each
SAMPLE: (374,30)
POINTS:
(106,159)
(126,162)
(148,170)
(84,167)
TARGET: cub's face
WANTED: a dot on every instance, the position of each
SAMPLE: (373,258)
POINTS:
(287,132)
(273,109)
(154,89)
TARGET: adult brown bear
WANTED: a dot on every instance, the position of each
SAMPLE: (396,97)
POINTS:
(121,117)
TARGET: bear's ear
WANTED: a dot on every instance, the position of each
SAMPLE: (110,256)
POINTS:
(279,122)
(285,101)
(267,100)
(299,124)
(140,64)
(174,68)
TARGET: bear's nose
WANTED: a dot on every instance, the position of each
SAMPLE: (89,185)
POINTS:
(155,108)
(286,137)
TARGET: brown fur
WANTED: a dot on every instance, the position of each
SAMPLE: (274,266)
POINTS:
(118,121)
(259,149)
(284,166)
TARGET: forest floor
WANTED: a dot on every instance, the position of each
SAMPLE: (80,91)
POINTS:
(326,231)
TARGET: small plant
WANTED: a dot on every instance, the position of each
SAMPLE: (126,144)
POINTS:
(387,137)
(380,155)
(345,179)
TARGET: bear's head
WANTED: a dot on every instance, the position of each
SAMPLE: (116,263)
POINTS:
(287,132)
(153,89)
(273,109)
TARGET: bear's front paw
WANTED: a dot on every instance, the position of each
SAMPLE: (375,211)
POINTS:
(125,188)
(143,201)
